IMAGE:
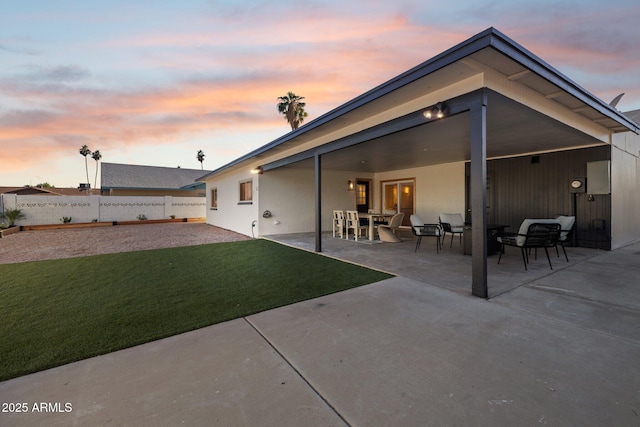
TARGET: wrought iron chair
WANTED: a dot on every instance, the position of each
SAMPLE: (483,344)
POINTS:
(452,223)
(567,224)
(533,234)
(420,230)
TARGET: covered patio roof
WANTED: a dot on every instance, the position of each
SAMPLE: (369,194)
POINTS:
(501,101)
(413,141)
(513,128)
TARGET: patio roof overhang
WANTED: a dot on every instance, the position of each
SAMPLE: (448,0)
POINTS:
(414,141)
(513,128)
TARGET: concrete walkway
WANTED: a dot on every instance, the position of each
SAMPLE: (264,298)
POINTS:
(561,350)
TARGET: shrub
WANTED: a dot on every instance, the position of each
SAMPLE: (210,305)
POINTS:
(142,217)
(12,215)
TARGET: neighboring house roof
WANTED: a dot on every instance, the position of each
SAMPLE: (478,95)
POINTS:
(121,176)
(50,191)
(489,49)
(633,115)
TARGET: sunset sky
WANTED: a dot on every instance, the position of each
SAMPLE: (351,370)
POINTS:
(152,82)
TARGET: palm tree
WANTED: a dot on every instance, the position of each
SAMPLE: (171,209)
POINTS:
(96,156)
(12,215)
(292,107)
(84,150)
(200,158)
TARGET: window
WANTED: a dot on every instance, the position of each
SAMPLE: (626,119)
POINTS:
(214,198)
(361,194)
(246,195)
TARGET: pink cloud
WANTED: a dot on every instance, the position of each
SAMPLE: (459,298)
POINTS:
(223,77)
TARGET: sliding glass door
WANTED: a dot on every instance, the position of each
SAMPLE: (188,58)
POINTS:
(399,196)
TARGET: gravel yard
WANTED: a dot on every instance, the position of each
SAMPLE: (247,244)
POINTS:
(54,244)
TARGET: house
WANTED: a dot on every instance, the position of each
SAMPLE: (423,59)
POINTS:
(485,128)
(41,191)
(136,180)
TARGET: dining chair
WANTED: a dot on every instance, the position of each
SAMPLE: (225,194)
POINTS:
(338,223)
(387,232)
(353,223)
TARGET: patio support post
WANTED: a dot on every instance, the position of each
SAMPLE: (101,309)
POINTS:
(318,189)
(478,113)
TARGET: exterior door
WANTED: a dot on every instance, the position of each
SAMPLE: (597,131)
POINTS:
(363,195)
(399,196)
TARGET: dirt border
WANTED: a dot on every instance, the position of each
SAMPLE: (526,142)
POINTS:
(37,245)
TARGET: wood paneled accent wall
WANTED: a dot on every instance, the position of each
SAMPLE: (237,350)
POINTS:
(537,186)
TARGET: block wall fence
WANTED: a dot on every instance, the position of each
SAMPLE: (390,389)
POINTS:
(51,209)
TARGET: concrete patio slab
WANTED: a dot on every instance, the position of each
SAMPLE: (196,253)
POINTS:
(449,269)
(401,352)
(223,375)
(601,294)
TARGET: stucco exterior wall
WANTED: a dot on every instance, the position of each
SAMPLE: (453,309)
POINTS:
(230,213)
(289,194)
(439,189)
(625,189)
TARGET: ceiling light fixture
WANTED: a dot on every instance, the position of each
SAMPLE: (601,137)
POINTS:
(439,110)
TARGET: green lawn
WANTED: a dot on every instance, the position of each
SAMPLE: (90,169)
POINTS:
(59,311)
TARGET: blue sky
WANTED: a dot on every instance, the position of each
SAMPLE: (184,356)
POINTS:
(153,82)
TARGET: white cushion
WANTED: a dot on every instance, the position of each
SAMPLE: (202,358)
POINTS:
(524,227)
(566,222)
(454,219)
(417,224)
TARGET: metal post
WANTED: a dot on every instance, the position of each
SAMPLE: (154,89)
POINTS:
(478,115)
(318,179)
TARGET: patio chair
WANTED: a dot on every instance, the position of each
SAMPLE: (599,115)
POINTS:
(452,223)
(338,223)
(387,232)
(533,234)
(567,224)
(353,223)
(420,230)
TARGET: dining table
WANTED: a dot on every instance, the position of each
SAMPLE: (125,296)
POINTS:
(374,217)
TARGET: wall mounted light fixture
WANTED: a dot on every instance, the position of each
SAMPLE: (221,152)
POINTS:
(350,185)
(439,110)
(257,171)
